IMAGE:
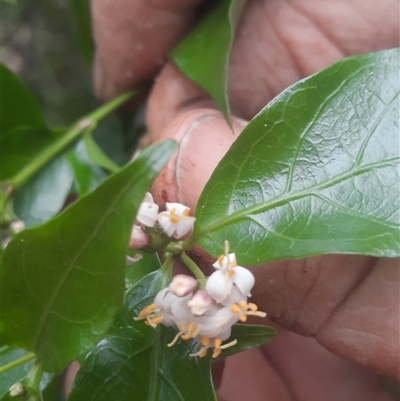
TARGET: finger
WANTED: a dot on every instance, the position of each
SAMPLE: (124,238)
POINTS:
(292,367)
(293,40)
(132,39)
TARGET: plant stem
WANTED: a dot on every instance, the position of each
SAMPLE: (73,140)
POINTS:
(35,375)
(174,249)
(17,362)
(70,136)
(192,266)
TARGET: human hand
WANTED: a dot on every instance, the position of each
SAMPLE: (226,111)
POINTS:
(349,304)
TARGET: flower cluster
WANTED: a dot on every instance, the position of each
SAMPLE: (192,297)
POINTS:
(175,221)
(205,315)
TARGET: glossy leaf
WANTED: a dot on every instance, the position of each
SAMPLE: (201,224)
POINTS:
(136,271)
(316,171)
(204,54)
(43,196)
(97,155)
(63,282)
(18,106)
(87,175)
(134,363)
(248,336)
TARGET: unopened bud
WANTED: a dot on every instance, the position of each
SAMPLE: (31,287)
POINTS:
(138,238)
(200,303)
(182,285)
(17,226)
(18,390)
(148,211)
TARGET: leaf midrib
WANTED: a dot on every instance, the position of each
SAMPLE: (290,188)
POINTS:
(55,293)
(287,197)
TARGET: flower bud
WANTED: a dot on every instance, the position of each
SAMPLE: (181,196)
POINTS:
(200,303)
(148,211)
(182,285)
(138,238)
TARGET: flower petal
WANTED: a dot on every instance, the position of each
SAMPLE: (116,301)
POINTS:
(218,285)
(166,223)
(244,280)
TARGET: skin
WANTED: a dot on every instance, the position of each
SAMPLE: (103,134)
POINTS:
(338,315)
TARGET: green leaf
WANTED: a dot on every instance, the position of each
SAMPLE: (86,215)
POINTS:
(81,9)
(248,336)
(136,271)
(87,175)
(97,155)
(43,196)
(8,378)
(50,384)
(315,172)
(18,106)
(204,54)
(21,146)
(63,282)
(22,162)
(134,363)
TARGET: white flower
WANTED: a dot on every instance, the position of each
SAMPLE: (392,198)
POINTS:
(161,309)
(176,221)
(229,273)
(148,211)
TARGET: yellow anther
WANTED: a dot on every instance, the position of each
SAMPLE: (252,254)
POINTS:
(252,306)
(157,320)
(233,263)
(216,353)
(231,273)
(147,310)
(221,260)
(172,216)
(217,342)
(186,212)
(243,317)
(204,340)
(235,309)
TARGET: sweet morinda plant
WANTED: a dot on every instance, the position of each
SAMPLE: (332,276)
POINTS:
(90,279)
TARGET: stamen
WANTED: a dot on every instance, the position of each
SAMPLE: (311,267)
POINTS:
(201,353)
(172,216)
(231,344)
(157,320)
(235,309)
(186,212)
(204,340)
(226,244)
(221,260)
(216,353)
(176,338)
(233,264)
(230,273)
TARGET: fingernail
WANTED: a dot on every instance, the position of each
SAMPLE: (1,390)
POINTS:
(200,150)
(204,137)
